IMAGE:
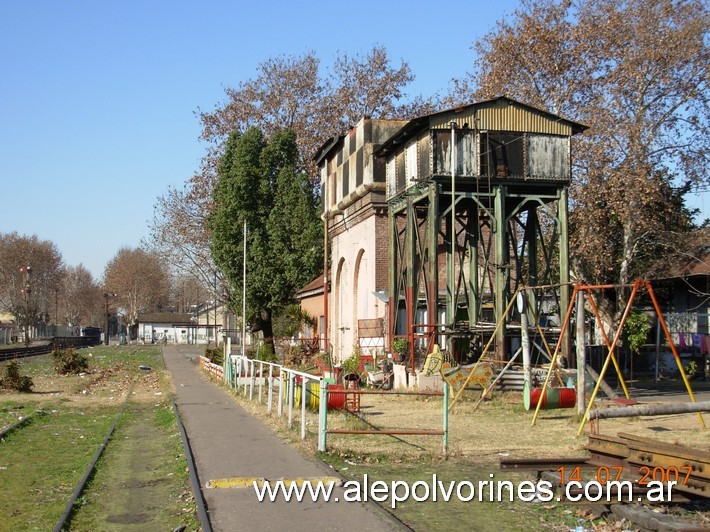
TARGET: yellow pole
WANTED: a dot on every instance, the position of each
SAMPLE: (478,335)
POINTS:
(554,355)
(606,341)
(485,350)
(662,321)
(609,355)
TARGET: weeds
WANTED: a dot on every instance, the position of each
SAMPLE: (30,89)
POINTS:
(11,379)
(69,362)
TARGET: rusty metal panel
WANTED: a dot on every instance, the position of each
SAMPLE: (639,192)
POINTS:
(547,156)
(400,172)
(424,149)
(503,117)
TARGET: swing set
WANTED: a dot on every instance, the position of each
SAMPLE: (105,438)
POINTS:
(610,345)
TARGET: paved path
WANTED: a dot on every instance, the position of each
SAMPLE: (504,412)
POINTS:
(229,442)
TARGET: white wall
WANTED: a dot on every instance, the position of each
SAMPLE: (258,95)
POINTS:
(353,281)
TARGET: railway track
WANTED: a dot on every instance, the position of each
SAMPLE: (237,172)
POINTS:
(631,459)
(59,342)
(65,519)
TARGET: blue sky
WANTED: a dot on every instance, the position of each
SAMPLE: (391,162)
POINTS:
(98,99)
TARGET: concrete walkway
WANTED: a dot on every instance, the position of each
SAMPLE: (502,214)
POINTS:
(229,442)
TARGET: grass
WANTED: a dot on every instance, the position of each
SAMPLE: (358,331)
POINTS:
(42,462)
(141,478)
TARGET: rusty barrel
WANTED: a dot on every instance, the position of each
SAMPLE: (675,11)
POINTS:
(553,397)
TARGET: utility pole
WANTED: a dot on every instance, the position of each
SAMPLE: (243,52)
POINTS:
(26,291)
(56,310)
(106,296)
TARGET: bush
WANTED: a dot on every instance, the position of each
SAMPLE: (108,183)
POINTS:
(214,355)
(11,379)
(69,362)
(266,353)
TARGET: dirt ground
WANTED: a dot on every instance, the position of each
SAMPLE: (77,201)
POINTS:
(496,429)
(478,439)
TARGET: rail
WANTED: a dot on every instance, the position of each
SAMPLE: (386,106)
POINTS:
(58,342)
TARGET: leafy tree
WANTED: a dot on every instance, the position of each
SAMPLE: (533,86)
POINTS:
(636,72)
(259,182)
(140,280)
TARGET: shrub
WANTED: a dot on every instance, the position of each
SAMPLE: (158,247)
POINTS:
(214,355)
(69,361)
(266,353)
(11,379)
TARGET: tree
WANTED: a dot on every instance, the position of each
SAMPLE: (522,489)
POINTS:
(180,237)
(140,280)
(80,298)
(636,72)
(288,92)
(17,252)
(259,182)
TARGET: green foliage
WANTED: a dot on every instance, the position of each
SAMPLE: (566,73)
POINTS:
(399,346)
(293,320)
(266,353)
(636,329)
(214,355)
(351,364)
(11,379)
(690,368)
(259,183)
(69,361)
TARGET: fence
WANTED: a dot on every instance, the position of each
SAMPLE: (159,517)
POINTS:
(323,417)
(251,376)
(243,371)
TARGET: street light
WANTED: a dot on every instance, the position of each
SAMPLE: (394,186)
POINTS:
(106,296)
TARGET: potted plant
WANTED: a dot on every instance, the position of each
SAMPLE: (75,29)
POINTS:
(400,347)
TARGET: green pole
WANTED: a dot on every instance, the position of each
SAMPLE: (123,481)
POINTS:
(322,415)
(446,419)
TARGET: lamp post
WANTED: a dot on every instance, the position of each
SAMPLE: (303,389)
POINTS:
(106,296)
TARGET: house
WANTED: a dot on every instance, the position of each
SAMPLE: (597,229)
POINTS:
(355,214)
(684,285)
(310,297)
(170,327)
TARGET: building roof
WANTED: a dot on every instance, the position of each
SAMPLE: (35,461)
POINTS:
(168,318)
(417,125)
(698,264)
(690,258)
(313,288)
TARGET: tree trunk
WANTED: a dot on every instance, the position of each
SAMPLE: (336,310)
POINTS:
(263,322)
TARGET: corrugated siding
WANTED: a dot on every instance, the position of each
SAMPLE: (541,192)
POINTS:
(503,118)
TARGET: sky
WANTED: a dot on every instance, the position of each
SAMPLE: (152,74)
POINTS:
(98,100)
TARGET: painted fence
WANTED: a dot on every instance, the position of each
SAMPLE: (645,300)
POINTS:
(257,378)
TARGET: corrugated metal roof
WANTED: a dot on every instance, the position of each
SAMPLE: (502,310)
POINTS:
(499,114)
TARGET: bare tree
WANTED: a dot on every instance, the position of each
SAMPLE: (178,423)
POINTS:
(35,307)
(636,72)
(288,92)
(140,280)
(80,299)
